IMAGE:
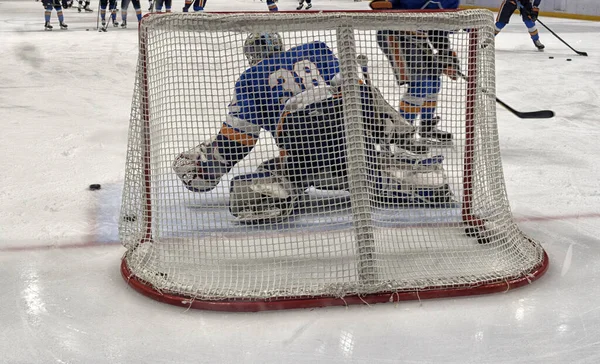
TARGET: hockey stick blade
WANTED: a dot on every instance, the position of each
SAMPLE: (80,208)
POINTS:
(559,38)
(541,114)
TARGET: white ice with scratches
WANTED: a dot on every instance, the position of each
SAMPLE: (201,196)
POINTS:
(64,106)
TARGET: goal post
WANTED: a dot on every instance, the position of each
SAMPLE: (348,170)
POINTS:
(353,230)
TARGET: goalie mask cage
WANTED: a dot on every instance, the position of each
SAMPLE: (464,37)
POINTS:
(186,248)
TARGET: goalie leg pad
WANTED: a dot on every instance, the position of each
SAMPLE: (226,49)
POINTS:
(262,196)
(415,180)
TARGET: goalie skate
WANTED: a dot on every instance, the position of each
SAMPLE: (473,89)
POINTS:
(431,135)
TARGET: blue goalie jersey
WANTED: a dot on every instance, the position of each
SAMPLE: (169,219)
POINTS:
(262,90)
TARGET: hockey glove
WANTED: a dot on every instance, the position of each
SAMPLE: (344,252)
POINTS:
(198,169)
(534,13)
(450,64)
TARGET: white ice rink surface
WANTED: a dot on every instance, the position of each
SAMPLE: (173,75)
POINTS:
(64,108)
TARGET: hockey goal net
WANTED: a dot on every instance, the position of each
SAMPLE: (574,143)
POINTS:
(329,246)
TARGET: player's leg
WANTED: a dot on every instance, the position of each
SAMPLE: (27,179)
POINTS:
(113,12)
(199,5)
(124,6)
(60,15)
(47,4)
(103,6)
(271,5)
(507,8)
(533,32)
(308,4)
(300,5)
(168,4)
(429,121)
(137,6)
(388,42)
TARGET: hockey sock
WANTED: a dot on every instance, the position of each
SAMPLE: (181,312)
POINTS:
(138,14)
(187,5)
(124,14)
(533,32)
(59,14)
(47,13)
(103,12)
(409,110)
(272,6)
(499,27)
(428,112)
(168,6)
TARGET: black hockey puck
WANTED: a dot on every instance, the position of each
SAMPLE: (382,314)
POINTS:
(551,57)
(87,30)
(95,187)
(568,59)
(129,218)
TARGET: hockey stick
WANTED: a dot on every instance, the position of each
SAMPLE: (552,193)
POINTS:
(540,114)
(559,38)
(526,12)
(98,17)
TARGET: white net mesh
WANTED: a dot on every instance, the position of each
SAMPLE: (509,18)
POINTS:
(301,176)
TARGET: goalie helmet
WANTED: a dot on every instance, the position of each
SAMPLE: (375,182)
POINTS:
(259,46)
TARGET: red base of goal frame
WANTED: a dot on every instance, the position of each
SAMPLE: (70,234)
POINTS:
(312,302)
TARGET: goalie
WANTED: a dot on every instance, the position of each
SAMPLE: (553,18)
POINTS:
(295,96)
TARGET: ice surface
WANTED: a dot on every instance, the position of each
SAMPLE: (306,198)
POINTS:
(64,106)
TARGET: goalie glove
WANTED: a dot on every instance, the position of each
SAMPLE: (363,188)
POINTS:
(449,63)
(199,169)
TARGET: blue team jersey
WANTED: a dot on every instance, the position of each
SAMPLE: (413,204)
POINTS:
(262,90)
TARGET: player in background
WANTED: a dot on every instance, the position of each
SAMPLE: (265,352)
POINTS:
(529,13)
(56,4)
(85,5)
(112,6)
(67,4)
(198,5)
(159,5)
(271,5)
(125,5)
(418,60)
(295,96)
(308,4)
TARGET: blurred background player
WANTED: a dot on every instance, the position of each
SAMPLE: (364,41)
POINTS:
(308,4)
(198,5)
(48,5)
(85,5)
(295,96)
(112,6)
(271,5)
(418,60)
(136,6)
(529,13)
(159,5)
